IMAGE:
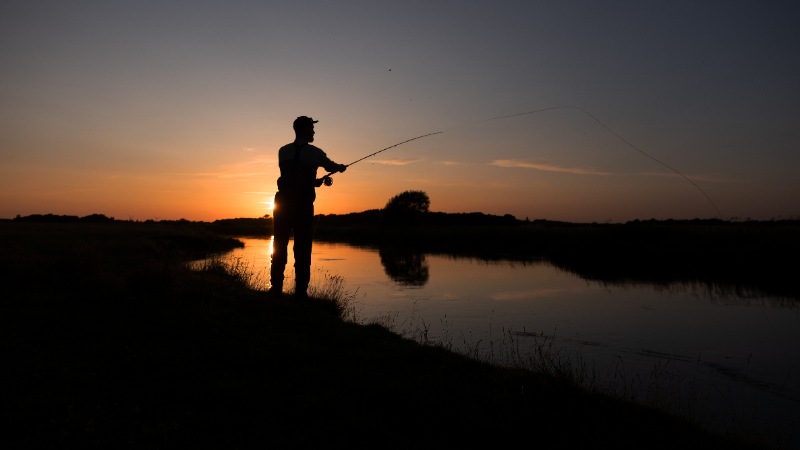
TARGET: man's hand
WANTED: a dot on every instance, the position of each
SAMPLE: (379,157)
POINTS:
(342,167)
(326,180)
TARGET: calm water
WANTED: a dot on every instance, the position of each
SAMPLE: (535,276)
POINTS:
(726,361)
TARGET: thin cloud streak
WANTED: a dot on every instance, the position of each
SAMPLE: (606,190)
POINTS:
(516,163)
(257,161)
(396,161)
(522,164)
(436,182)
(217,174)
(243,169)
(454,163)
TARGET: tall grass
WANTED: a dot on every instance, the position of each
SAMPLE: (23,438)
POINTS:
(535,352)
(325,290)
(236,269)
(330,289)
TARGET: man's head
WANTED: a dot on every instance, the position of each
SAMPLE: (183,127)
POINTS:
(304,128)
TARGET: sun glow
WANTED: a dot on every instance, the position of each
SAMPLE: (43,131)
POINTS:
(270,204)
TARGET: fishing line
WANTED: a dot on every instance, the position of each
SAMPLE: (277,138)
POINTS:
(327,180)
(318,217)
(642,152)
(628,143)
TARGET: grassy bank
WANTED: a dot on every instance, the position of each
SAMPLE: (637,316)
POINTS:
(109,340)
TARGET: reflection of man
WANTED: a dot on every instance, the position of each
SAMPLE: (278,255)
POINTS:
(294,205)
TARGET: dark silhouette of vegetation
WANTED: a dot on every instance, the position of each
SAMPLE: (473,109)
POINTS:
(374,220)
(261,226)
(406,208)
(53,218)
(110,340)
(749,258)
(416,201)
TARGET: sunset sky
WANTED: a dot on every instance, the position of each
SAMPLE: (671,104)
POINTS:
(176,109)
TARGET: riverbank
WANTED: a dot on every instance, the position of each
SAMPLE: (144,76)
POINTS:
(108,340)
(753,258)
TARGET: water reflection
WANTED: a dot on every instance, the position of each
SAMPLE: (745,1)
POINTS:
(405,267)
(733,352)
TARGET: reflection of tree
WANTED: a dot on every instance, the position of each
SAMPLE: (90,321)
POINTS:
(406,267)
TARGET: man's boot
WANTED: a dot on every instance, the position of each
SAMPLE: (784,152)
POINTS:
(275,291)
(302,280)
(301,291)
(275,280)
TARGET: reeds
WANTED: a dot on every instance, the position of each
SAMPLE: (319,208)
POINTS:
(236,269)
(325,290)
(331,289)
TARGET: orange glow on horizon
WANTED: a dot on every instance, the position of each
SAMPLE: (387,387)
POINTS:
(242,183)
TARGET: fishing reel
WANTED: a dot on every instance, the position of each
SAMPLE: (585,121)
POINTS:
(326,180)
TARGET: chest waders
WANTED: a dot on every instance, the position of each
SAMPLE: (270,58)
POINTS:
(294,212)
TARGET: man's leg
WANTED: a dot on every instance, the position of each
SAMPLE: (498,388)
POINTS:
(281,228)
(303,233)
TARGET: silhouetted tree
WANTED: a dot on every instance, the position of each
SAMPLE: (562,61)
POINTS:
(406,207)
(416,201)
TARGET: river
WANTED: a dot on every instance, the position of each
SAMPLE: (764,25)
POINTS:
(728,362)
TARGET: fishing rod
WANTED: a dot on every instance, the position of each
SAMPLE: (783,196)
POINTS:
(327,180)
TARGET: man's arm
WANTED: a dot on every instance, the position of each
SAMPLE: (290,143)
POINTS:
(329,165)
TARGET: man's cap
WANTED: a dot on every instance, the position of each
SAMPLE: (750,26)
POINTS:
(302,122)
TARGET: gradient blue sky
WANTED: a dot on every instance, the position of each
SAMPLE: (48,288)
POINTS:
(176,109)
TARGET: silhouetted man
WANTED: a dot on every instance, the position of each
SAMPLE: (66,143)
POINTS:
(294,205)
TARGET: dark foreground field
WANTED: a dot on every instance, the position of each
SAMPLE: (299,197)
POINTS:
(108,341)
